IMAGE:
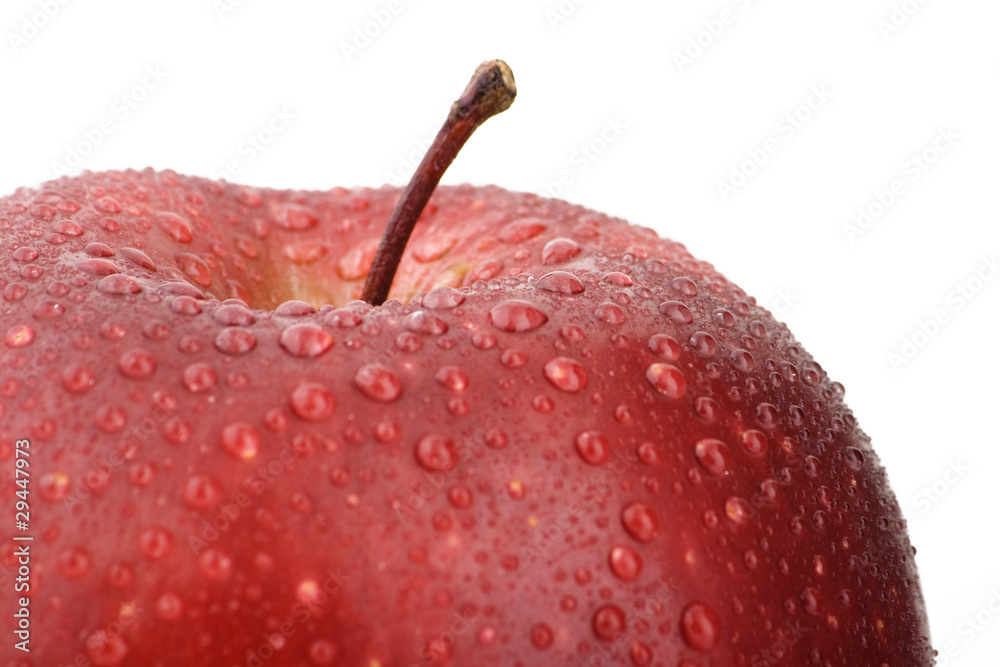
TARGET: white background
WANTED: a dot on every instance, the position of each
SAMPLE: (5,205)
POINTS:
(682,128)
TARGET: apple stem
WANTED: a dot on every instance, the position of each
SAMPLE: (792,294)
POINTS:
(490,91)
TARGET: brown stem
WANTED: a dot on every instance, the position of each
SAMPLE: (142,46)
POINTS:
(490,91)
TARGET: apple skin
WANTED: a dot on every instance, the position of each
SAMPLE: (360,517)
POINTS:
(631,465)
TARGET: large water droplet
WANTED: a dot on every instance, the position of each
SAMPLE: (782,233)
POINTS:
(305,340)
(78,379)
(233,315)
(312,401)
(294,217)
(737,510)
(626,563)
(609,623)
(516,315)
(610,313)
(138,258)
(176,430)
(640,521)
(855,458)
(232,340)
(436,453)
(810,601)
(666,379)
(137,364)
(743,360)
(561,282)
(441,298)
(194,268)
(202,492)
(198,377)
(119,284)
(432,247)
(713,456)
(97,267)
(155,543)
(215,564)
(452,377)
(641,655)
(425,322)
(378,383)
(175,226)
(521,230)
(168,607)
(676,312)
(593,447)
(108,205)
(700,626)
(754,442)
(559,250)
(703,343)
(241,441)
(684,286)
(541,636)
(566,374)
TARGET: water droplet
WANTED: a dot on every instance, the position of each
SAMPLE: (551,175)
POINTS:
(810,601)
(74,562)
(667,379)
(97,267)
(496,439)
(452,377)
(194,268)
(294,308)
(119,284)
(168,607)
(561,282)
(138,258)
(106,648)
(202,493)
(322,652)
(235,341)
(559,250)
(176,430)
(108,205)
(484,341)
(25,254)
(215,564)
(433,247)
(312,401)
(378,383)
(356,262)
(855,458)
(436,453)
(441,298)
(425,322)
(703,343)
(609,623)
(305,340)
(664,347)
(641,655)
(767,415)
(516,315)
(67,228)
(294,217)
(487,636)
(626,563)
(846,597)
(713,456)
(566,374)
(640,521)
(155,543)
(593,447)
(78,379)
(234,315)
(175,226)
(617,278)
(737,510)
(460,496)
(521,230)
(676,312)
(609,313)
(541,636)
(700,626)
(684,286)
(304,252)
(198,377)
(743,360)
(137,364)
(240,440)
(14,292)
(754,442)
(724,318)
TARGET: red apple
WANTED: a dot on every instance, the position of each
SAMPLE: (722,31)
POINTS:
(563,441)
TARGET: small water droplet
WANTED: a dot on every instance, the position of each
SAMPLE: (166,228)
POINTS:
(452,377)
(664,347)
(322,652)
(108,205)
(737,510)
(232,340)
(700,626)
(215,564)
(436,453)
(609,313)
(304,252)
(626,563)
(487,636)
(25,254)
(609,623)
(202,492)
(106,648)
(855,458)
(743,360)
(566,374)
(241,441)
(168,607)
(641,655)
(175,226)
(640,521)
(194,268)
(312,401)
(684,286)
(516,315)
(137,364)
(97,267)
(754,442)
(667,379)
(561,282)
(294,217)
(155,543)
(294,308)
(234,315)
(198,377)
(432,247)
(378,383)
(703,343)
(810,601)
(119,284)
(559,250)
(356,262)
(767,415)
(78,379)
(593,447)
(724,318)
(305,340)
(442,298)
(138,258)
(713,456)
(74,563)
(425,322)
(541,636)
(68,228)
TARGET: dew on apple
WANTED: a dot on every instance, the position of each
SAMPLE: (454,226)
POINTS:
(559,250)
(667,379)
(77,379)
(566,374)
(53,486)
(855,458)
(235,341)
(561,282)
(640,521)
(609,623)
(700,626)
(74,562)
(684,285)
(378,383)
(424,322)
(676,312)
(202,493)
(304,252)
(137,364)
(626,563)
(513,358)
(517,316)
(215,564)
(737,510)
(14,292)
(155,543)
(294,218)
(433,248)
(592,447)
(609,313)
(452,377)
(541,636)
(305,340)
(664,347)
(168,607)
(25,254)
(312,401)
(233,315)
(109,418)
(436,453)
(242,440)
(68,228)
(442,298)
(198,377)
(97,266)
(703,343)
(119,284)
(767,415)
(106,649)
(357,262)
(322,652)
(713,456)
